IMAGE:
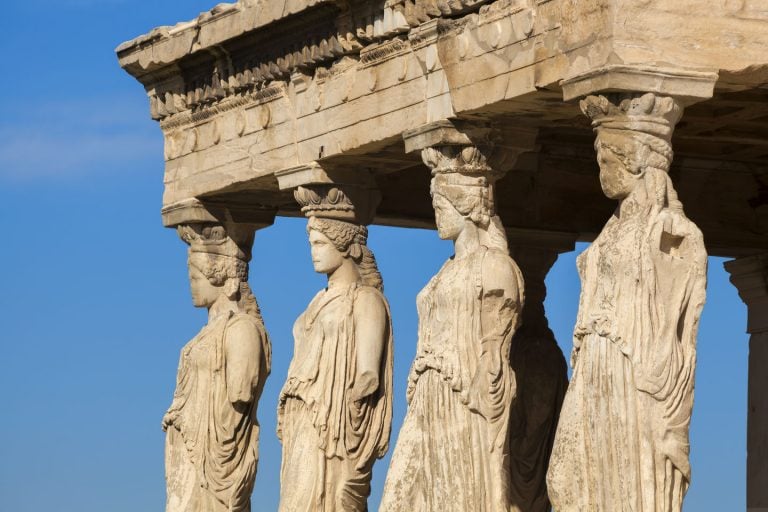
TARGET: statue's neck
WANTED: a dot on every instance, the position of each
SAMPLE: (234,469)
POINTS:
(468,240)
(346,275)
(223,306)
(635,204)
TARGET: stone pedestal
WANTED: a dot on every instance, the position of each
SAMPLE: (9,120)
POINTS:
(750,276)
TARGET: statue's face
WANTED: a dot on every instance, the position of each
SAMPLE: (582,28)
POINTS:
(450,222)
(325,257)
(204,293)
(616,179)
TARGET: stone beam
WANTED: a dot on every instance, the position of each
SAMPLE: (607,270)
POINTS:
(686,86)
(196,211)
(750,276)
(240,94)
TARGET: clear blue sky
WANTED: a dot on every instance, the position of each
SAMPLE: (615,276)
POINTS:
(95,301)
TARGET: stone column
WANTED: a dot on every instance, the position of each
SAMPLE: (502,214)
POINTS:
(622,440)
(540,371)
(750,276)
(335,409)
(453,451)
(212,439)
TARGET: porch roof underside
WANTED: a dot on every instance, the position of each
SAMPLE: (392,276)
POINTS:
(720,172)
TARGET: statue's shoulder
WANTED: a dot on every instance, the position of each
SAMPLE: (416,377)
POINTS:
(498,263)
(499,271)
(369,294)
(494,257)
(244,325)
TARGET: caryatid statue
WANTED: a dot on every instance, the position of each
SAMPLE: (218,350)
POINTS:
(622,441)
(452,452)
(212,430)
(541,374)
(335,409)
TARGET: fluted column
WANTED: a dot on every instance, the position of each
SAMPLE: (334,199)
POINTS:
(750,276)
(622,441)
(212,439)
(540,371)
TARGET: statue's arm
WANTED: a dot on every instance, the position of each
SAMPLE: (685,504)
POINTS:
(500,303)
(371,325)
(243,354)
(499,312)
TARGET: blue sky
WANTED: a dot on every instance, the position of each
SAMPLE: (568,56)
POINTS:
(95,304)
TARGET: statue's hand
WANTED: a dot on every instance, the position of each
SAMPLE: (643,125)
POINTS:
(365,384)
(168,420)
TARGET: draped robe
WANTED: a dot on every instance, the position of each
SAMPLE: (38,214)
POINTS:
(212,445)
(452,453)
(330,441)
(622,441)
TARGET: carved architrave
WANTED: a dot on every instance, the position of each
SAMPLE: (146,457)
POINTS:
(622,440)
(452,451)
(212,431)
(335,409)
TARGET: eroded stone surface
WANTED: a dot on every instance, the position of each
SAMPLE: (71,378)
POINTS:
(453,448)
(622,442)
(251,88)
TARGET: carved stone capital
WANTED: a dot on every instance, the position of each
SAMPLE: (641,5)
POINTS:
(447,133)
(750,277)
(350,195)
(468,147)
(218,240)
(687,86)
(218,229)
(196,211)
(647,113)
(636,128)
(466,160)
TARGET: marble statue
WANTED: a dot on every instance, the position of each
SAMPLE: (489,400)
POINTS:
(622,441)
(212,430)
(541,374)
(335,409)
(452,452)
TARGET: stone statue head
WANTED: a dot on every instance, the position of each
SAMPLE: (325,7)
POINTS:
(458,199)
(633,137)
(217,264)
(331,241)
(334,236)
(625,158)
(462,192)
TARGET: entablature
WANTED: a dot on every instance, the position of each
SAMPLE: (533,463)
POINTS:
(253,88)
